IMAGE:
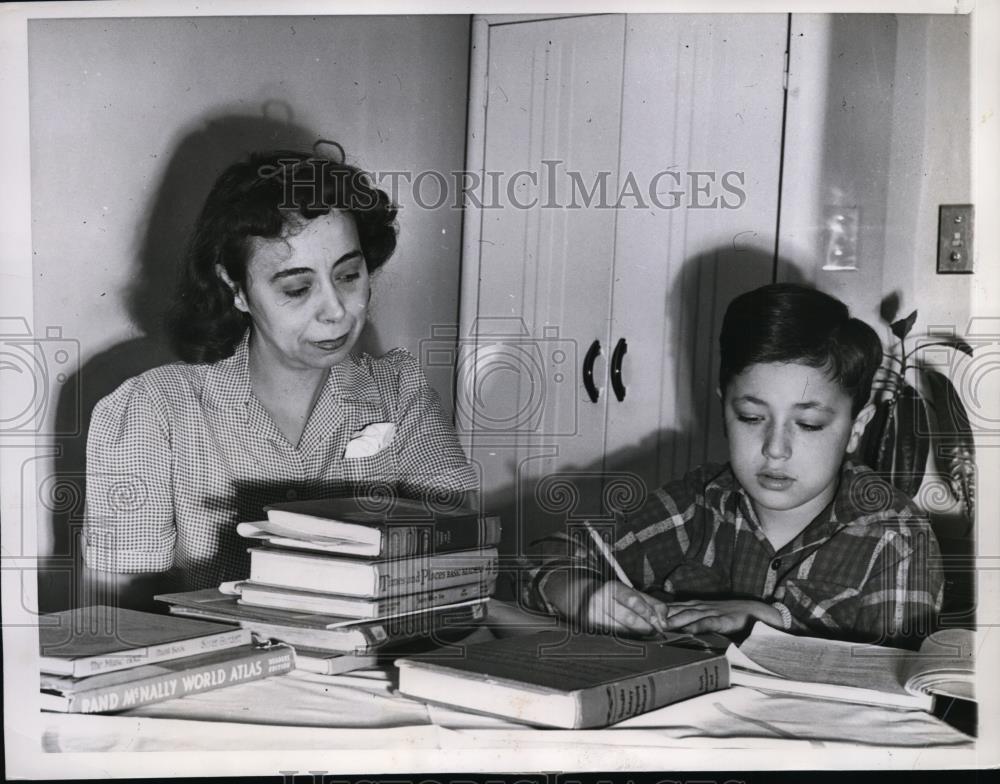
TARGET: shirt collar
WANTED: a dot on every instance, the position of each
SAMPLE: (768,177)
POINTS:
(845,508)
(862,494)
(227,381)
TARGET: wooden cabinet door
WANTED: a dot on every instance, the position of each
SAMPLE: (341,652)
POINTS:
(629,189)
(702,114)
(543,265)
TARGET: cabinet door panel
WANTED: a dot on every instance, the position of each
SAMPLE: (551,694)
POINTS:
(545,258)
(701,126)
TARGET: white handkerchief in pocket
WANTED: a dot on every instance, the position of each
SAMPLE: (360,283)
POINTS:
(370,441)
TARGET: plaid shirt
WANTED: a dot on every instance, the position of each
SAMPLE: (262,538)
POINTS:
(866,568)
(180,454)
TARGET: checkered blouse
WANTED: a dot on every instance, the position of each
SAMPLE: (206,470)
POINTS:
(868,567)
(180,454)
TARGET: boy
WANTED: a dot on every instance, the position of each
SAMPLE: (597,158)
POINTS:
(790,532)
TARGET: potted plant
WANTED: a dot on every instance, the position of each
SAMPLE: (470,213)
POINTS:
(918,408)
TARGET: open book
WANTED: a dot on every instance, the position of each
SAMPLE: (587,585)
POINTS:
(829,669)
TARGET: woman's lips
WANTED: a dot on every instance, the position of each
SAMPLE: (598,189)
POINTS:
(774,480)
(331,345)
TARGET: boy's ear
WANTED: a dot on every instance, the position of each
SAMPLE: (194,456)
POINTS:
(239,299)
(858,428)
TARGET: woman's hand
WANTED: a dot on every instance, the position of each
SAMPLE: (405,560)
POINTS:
(724,616)
(615,607)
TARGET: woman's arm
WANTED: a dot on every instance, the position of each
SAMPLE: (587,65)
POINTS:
(129,519)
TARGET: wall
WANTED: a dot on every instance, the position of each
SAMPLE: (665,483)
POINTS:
(132,119)
(886,131)
(879,128)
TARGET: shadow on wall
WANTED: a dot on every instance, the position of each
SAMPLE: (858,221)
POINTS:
(204,151)
(621,481)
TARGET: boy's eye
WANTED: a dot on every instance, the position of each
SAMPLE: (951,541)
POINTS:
(750,419)
(810,427)
(296,292)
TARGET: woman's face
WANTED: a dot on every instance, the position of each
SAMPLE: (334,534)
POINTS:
(307,293)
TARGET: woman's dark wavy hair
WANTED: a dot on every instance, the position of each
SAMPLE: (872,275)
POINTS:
(785,322)
(263,196)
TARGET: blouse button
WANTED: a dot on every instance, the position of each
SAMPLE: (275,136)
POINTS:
(291,495)
(776,564)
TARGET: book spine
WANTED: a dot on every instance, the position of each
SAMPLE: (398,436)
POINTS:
(405,577)
(414,602)
(256,665)
(407,628)
(158,653)
(611,703)
(400,540)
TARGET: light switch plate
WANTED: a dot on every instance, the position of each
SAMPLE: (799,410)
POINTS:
(955,223)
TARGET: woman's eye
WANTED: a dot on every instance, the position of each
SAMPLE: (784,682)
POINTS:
(349,277)
(809,427)
(750,419)
(299,292)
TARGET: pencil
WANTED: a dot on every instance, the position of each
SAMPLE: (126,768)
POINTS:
(655,621)
(608,555)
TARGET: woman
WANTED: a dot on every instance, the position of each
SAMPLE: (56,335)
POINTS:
(269,404)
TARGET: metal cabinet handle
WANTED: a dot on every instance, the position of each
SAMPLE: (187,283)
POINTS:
(616,369)
(588,370)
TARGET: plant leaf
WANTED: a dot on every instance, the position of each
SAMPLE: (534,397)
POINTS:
(867,451)
(889,307)
(950,341)
(955,440)
(962,346)
(902,327)
(912,441)
(887,442)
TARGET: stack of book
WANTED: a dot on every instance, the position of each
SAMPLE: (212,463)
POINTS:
(342,582)
(102,659)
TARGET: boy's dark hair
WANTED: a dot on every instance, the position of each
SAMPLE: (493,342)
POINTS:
(265,195)
(785,322)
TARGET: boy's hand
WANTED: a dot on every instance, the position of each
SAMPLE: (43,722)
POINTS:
(724,615)
(616,607)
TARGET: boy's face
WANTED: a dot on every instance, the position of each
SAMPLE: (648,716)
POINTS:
(789,427)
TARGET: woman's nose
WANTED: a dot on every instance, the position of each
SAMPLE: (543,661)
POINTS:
(331,307)
(777,444)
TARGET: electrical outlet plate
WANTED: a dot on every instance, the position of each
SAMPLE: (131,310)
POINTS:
(955,224)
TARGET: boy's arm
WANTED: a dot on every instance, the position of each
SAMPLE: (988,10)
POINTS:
(576,582)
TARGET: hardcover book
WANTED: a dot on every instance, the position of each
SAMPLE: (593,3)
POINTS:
(558,679)
(371,579)
(326,632)
(371,528)
(90,640)
(149,683)
(256,595)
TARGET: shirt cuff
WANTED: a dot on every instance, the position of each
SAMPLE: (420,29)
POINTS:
(786,615)
(575,576)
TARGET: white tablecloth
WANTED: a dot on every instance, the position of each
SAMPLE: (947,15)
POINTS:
(302,710)
(306,711)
